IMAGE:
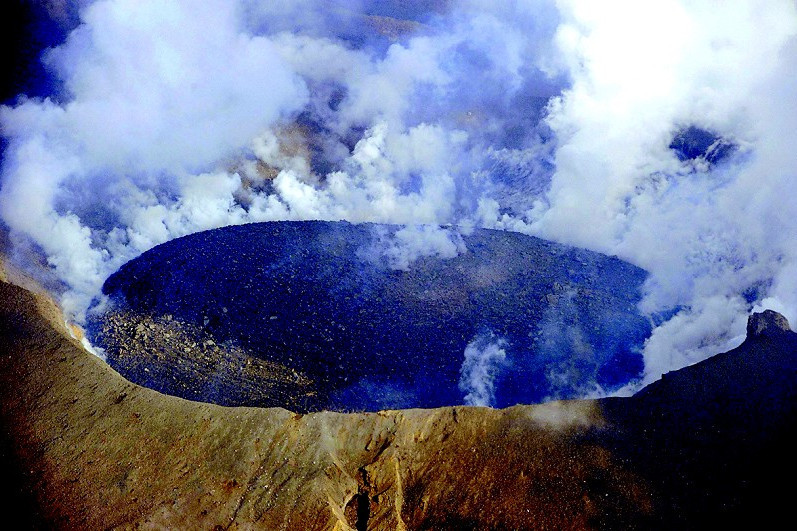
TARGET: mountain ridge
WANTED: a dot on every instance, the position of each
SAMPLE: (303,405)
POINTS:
(95,451)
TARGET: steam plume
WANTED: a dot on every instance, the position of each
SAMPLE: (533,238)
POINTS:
(661,133)
(484,359)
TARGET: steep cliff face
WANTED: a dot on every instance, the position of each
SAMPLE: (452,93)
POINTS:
(87,449)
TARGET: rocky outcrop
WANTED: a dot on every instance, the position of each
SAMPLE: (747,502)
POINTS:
(767,323)
(86,449)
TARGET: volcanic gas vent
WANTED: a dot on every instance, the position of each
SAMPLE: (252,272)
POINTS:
(314,315)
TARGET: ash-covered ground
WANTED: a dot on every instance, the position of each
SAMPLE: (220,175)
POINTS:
(342,316)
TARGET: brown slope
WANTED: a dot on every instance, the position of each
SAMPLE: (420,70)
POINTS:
(100,452)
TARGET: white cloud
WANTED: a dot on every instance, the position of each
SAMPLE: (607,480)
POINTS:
(171,110)
(150,88)
(640,72)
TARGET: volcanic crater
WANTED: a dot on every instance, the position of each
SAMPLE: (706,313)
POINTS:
(314,315)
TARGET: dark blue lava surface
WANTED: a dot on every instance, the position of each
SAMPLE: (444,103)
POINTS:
(311,296)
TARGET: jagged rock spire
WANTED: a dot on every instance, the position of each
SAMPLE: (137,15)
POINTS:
(766,323)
